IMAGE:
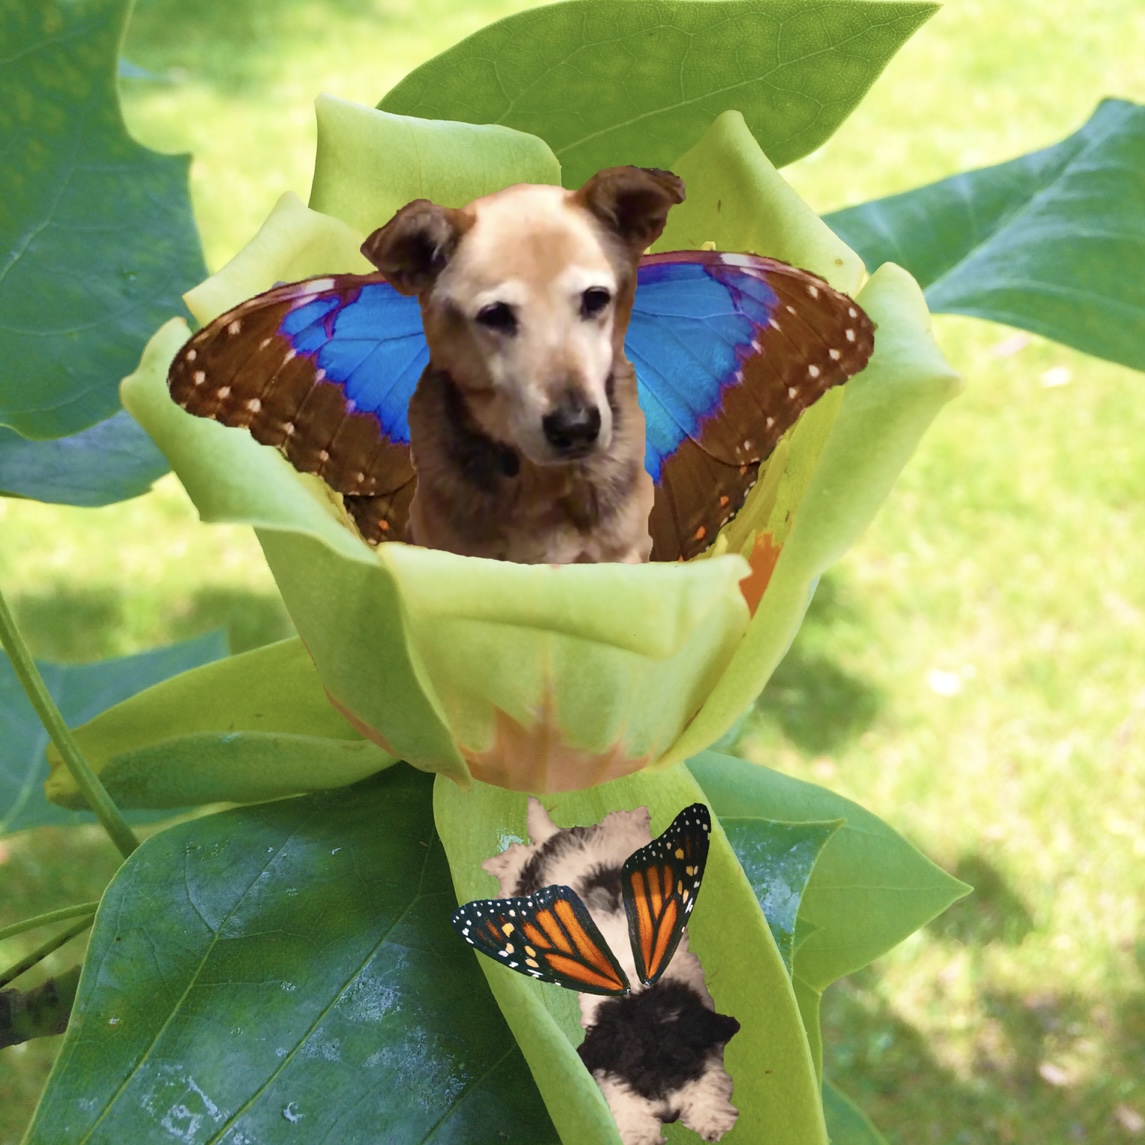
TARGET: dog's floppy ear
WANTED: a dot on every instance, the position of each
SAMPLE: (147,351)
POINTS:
(411,250)
(633,202)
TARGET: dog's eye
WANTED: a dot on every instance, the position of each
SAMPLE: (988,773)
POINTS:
(498,316)
(593,301)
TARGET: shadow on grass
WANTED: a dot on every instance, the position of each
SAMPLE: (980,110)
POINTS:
(77,625)
(813,700)
(994,912)
(1016,1083)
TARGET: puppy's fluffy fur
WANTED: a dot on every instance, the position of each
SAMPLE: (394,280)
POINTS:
(656,1054)
(525,429)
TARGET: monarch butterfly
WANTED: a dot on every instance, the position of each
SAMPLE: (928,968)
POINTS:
(550,934)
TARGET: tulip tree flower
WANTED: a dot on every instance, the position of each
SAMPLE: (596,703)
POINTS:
(570,680)
(546,678)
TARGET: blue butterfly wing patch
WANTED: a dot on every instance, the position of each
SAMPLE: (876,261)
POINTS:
(729,350)
(324,369)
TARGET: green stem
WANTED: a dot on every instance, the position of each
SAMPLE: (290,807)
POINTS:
(40,953)
(61,915)
(33,683)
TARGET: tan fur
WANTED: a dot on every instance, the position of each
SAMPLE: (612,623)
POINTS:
(497,474)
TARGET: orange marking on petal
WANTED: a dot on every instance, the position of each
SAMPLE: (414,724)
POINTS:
(762,559)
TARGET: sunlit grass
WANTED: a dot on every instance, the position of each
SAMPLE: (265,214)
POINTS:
(974,671)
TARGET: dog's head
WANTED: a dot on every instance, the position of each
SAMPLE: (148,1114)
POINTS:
(526,296)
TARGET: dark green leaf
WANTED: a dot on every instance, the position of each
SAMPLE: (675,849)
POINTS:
(81,691)
(288,971)
(1052,242)
(606,83)
(846,1122)
(870,887)
(777,859)
(96,231)
(111,461)
(868,890)
(39,1012)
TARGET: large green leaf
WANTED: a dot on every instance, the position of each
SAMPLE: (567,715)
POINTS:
(777,859)
(868,890)
(255,726)
(96,231)
(606,83)
(1052,242)
(108,462)
(288,971)
(81,691)
(769,1060)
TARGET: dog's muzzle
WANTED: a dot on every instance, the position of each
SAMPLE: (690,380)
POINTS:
(572,427)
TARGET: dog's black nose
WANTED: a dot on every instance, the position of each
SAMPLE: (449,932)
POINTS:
(572,427)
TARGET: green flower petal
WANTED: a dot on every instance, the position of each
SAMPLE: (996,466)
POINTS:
(739,201)
(537,677)
(370,163)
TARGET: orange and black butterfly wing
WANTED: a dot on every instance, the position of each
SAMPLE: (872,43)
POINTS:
(548,935)
(659,884)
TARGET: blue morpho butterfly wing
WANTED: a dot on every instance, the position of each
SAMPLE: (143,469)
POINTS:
(728,350)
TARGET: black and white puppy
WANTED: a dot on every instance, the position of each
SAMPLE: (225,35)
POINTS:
(658,1053)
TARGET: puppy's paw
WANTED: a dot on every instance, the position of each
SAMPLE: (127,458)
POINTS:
(705,1107)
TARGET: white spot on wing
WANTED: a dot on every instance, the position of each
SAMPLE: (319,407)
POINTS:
(234,327)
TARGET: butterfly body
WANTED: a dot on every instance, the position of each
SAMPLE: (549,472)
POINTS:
(727,350)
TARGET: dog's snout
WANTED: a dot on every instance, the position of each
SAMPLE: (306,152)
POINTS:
(573,426)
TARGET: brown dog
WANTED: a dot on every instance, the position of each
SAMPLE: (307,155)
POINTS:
(525,428)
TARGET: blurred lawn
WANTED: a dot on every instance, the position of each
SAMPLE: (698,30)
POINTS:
(974,671)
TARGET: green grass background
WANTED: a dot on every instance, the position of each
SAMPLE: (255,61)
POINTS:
(974,671)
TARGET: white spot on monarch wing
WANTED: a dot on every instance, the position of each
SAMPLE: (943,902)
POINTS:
(264,343)
(813,290)
(774,325)
(850,335)
(792,391)
(289,356)
(835,354)
(852,312)
(324,456)
(790,309)
(320,375)
(192,354)
(254,405)
(234,326)
(319,286)
(199,377)
(288,429)
(813,371)
(224,392)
